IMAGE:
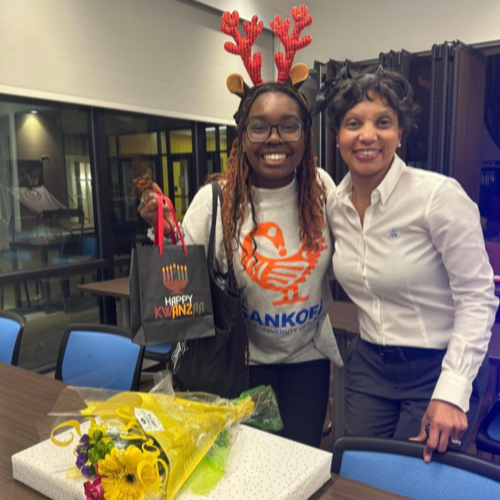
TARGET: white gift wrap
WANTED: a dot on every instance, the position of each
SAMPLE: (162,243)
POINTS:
(261,466)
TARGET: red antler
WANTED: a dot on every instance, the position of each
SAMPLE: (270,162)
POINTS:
(243,46)
(291,43)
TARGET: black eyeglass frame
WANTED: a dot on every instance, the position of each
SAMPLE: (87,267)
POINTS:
(276,126)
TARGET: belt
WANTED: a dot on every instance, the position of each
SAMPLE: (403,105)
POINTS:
(395,354)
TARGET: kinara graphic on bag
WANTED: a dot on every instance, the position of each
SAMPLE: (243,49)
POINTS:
(169,291)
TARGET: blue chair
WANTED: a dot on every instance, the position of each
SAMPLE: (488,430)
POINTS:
(99,356)
(488,435)
(398,467)
(11,332)
(160,353)
(75,249)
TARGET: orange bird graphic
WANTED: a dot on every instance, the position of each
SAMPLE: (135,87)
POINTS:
(282,274)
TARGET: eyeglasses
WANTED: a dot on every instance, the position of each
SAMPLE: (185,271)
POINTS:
(289,131)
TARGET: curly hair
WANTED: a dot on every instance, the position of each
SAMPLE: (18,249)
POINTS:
(236,181)
(392,87)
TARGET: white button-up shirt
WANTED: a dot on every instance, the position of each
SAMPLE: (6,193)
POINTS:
(418,271)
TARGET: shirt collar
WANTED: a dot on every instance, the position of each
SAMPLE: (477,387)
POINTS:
(384,189)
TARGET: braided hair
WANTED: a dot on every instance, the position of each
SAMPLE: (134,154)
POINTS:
(236,181)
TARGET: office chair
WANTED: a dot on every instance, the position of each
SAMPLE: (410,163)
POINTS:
(2,292)
(75,249)
(11,332)
(99,356)
(160,353)
(488,435)
(398,467)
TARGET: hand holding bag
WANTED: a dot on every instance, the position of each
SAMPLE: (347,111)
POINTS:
(169,290)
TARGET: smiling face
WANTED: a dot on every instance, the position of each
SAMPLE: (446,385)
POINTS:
(274,161)
(368,137)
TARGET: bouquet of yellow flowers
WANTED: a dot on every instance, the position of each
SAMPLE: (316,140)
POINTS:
(138,446)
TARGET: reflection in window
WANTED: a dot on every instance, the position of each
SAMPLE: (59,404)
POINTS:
(211,139)
(217,148)
(182,163)
(45,182)
(46,219)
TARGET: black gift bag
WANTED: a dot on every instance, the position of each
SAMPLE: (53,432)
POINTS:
(169,291)
(219,364)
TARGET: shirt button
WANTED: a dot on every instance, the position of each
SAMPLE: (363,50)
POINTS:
(375,305)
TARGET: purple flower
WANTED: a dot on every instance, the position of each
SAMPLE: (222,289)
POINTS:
(81,459)
(88,471)
(85,439)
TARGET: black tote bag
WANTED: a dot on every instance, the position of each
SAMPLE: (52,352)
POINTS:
(169,291)
(217,365)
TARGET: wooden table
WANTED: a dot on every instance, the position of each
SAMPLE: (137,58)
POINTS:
(341,488)
(344,319)
(44,246)
(27,397)
(117,289)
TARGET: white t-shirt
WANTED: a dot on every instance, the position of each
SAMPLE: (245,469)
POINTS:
(286,295)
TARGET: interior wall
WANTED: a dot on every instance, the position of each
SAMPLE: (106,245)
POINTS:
(162,57)
(361,29)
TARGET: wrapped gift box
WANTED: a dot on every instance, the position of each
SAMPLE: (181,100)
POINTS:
(261,467)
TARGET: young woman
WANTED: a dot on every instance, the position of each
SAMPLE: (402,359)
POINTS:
(409,252)
(272,227)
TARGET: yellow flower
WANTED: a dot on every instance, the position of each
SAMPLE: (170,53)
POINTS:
(130,474)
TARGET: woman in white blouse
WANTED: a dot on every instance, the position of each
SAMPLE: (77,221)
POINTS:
(409,252)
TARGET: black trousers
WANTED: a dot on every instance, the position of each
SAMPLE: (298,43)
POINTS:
(302,390)
(389,399)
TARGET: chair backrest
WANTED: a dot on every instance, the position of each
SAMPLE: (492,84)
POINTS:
(88,246)
(398,467)
(11,332)
(99,356)
(488,434)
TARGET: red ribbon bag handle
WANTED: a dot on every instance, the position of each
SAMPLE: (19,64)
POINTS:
(159,224)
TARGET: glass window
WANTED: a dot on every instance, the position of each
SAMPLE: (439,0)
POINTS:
(48,214)
(223,162)
(46,186)
(181,141)
(138,145)
(223,138)
(211,139)
(144,144)
(47,219)
(217,147)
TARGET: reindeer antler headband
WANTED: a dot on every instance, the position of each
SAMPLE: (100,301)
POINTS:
(294,76)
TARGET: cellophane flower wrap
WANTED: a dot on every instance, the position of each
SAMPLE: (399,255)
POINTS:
(138,446)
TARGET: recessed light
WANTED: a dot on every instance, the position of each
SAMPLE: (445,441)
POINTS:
(34,112)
